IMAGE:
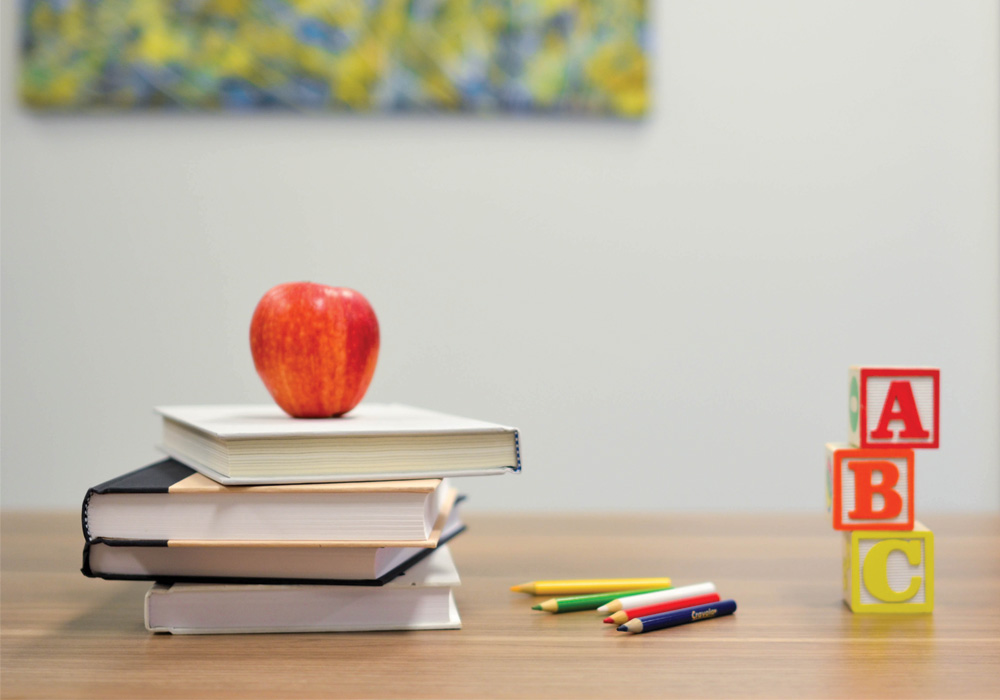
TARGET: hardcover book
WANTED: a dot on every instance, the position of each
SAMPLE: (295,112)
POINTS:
(158,561)
(243,445)
(420,599)
(169,501)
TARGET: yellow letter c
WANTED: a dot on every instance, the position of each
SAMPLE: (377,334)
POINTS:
(876,571)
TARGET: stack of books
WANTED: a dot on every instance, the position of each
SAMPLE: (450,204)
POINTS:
(258,522)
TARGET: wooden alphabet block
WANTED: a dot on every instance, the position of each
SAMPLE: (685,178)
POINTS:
(894,406)
(889,572)
(870,489)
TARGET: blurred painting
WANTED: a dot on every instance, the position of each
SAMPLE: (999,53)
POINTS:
(551,56)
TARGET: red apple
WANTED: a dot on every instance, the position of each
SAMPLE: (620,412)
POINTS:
(315,347)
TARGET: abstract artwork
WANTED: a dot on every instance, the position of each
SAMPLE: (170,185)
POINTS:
(547,56)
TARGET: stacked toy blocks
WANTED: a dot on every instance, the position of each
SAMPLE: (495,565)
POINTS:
(888,555)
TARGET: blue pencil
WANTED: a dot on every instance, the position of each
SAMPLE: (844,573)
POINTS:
(679,617)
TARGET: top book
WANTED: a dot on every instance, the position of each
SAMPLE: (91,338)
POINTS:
(246,445)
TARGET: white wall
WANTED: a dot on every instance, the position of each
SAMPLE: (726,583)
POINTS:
(667,309)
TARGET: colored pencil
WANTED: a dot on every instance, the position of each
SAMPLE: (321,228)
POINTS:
(584,587)
(638,601)
(586,602)
(679,617)
(657,608)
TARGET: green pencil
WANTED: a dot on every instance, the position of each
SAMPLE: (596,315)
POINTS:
(587,602)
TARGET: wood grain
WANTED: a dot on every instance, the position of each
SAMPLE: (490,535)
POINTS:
(65,636)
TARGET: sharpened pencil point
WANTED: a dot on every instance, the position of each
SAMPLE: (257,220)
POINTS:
(603,609)
(536,607)
(623,628)
(608,620)
(519,588)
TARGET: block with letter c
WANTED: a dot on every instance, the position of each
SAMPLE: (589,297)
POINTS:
(889,571)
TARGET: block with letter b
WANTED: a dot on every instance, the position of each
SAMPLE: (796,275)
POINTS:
(889,572)
(870,489)
(894,406)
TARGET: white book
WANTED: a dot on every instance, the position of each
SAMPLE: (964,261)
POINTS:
(421,599)
(259,444)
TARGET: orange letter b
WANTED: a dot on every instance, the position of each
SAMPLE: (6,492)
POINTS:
(865,490)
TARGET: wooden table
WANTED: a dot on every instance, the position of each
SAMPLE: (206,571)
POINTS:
(67,636)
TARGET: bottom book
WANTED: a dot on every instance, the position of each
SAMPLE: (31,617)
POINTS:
(420,599)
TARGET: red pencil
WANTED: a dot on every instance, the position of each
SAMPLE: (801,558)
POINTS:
(623,616)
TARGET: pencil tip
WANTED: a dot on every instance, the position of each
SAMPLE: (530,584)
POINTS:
(517,588)
(608,620)
(536,607)
(623,628)
(603,609)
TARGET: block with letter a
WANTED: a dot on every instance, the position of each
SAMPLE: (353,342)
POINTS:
(894,407)
(888,571)
(870,489)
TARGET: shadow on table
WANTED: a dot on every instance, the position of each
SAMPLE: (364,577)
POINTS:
(118,612)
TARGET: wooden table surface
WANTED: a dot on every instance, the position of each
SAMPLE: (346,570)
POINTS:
(65,636)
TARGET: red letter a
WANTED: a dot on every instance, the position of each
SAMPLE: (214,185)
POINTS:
(900,393)
(865,490)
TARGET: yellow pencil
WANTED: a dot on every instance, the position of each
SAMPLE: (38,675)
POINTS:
(582,587)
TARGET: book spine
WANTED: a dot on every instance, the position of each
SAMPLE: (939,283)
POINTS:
(85,569)
(155,478)
(84,515)
(88,571)
(517,451)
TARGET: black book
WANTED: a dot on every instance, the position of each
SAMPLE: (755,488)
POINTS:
(126,560)
(357,562)
(168,501)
